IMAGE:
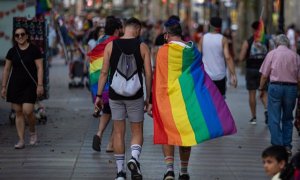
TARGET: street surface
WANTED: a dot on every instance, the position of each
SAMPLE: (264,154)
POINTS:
(64,150)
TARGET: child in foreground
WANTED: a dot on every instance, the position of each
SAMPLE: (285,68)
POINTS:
(275,159)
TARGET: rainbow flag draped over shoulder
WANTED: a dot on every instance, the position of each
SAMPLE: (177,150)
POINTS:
(259,34)
(187,107)
(96,62)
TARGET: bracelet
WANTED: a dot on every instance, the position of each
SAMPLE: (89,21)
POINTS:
(260,89)
(99,95)
(40,85)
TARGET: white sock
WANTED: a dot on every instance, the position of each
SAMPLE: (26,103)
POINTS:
(120,162)
(136,151)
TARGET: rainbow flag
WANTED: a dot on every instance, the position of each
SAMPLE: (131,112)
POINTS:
(43,6)
(259,34)
(96,62)
(187,107)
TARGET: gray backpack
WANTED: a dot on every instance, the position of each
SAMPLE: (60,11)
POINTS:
(126,81)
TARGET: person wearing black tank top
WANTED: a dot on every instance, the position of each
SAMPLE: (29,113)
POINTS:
(122,106)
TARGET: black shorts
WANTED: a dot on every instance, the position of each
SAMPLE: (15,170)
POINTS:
(221,85)
(106,109)
(252,79)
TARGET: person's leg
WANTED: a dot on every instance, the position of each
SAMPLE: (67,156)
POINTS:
(252,102)
(20,124)
(119,144)
(264,100)
(118,113)
(274,113)
(289,102)
(184,153)
(136,139)
(103,122)
(110,147)
(28,110)
(135,112)
(168,151)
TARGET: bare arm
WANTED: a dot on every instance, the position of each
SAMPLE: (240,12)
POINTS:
(243,52)
(200,45)
(6,71)
(148,70)
(40,71)
(229,62)
(263,80)
(105,68)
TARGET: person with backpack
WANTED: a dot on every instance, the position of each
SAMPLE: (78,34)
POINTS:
(127,59)
(254,53)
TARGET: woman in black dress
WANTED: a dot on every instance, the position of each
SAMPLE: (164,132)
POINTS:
(24,84)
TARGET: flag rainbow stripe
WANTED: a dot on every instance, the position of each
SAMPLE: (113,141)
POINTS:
(259,35)
(95,66)
(187,107)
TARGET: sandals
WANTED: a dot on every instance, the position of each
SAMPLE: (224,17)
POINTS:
(20,145)
(33,138)
(96,143)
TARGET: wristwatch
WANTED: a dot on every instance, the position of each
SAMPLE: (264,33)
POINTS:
(99,95)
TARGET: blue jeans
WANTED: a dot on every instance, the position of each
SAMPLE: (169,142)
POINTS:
(281,102)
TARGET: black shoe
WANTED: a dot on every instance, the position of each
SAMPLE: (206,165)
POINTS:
(169,175)
(253,120)
(134,166)
(121,176)
(289,151)
(96,143)
(266,117)
(184,177)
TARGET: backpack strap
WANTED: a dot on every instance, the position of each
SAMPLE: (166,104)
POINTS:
(135,48)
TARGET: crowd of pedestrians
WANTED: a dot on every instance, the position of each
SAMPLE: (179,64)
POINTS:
(127,59)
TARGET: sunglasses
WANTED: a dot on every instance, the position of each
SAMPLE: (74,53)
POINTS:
(17,35)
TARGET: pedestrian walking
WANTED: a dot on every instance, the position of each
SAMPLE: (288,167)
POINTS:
(182,102)
(22,83)
(127,58)
(254,52)
(112,30)
(216,56)
(281,65)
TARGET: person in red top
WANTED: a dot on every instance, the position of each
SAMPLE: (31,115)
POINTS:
(282,66)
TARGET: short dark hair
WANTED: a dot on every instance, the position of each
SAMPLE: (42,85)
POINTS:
(111,25)
(133,22)
(174,17)
(277,152)
(255,25)
(173,27)
(216,22)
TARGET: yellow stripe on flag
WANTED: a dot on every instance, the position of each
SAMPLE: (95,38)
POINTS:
(96,65)
(176,99)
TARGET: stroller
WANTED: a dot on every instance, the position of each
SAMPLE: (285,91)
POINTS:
(76,70)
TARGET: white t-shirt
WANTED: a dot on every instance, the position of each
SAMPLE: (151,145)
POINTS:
(213,56)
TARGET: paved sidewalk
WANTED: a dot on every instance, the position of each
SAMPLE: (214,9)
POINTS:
(64,150)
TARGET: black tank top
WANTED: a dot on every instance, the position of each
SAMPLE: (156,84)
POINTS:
(127,46)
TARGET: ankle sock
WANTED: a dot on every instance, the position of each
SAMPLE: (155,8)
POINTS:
(169,161)
(136,151)
(184,167)
(120,162)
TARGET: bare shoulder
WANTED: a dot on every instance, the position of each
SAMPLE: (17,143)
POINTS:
(144,48)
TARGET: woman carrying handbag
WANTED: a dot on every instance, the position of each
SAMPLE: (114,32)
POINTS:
(22,83)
